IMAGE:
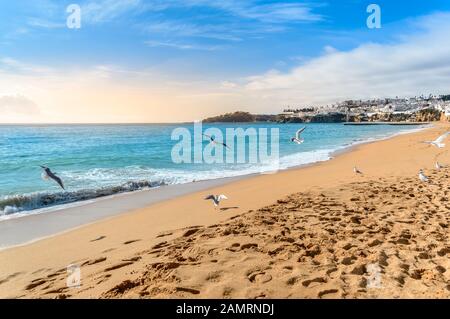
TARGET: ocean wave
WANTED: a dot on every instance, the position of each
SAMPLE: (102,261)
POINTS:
(19,203)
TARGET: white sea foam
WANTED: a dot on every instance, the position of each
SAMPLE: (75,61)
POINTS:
(10,210)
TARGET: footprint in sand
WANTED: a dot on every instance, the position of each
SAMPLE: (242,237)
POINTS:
(249,246)
(292,281)
(417,274)
(131,241)
(38,271)
(444,251)
(348,246)
(93,262)
(98,238)
(35,283)
(189,290)
(331,270)
(260,277)
(121,288)
(319,280)
(164,234)
(132,259)
(56,290)
(403,241)
(214,276)
(327,292)
(160,245)
(227,292)
(348,260)
(120,265)
(234,247)
(10,277)
(374,243)
(441,269)
(103,278)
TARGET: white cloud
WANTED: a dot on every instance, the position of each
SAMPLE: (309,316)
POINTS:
(43,23)
(228,85)
(238,18)
(280,12)
(416,64)
(329,49)
(106,10)
(10,65)
(45,14)
(17,104)
(181,46)
(249,9)
(169,28)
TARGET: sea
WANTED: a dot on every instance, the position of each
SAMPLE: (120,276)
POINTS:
(95,161)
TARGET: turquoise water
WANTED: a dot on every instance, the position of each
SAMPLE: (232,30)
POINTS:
(100,160)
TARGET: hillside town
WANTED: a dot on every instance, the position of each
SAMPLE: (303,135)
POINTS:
(413,109)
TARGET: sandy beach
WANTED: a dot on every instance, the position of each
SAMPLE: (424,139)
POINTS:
(320,231)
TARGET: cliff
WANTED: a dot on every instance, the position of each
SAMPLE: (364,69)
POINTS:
(241,117)
(236,117)
(427,115)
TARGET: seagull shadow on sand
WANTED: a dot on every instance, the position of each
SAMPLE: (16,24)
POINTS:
(223,209)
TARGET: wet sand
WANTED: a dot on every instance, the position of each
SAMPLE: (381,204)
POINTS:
(26,229)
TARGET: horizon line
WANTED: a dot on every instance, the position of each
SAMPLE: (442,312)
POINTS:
(94,123)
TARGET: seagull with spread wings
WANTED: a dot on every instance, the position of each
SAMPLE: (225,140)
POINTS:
(47,173)
(216,199)
(298,139)
(212,139)
(439,142)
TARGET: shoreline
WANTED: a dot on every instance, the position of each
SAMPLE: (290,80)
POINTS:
(106,243)
(387,123)
(27,229)
(31,226)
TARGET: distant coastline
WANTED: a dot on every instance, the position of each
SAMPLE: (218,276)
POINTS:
(399,110)
(420,117)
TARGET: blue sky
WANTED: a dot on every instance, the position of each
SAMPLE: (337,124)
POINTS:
(230,42)
(214,36)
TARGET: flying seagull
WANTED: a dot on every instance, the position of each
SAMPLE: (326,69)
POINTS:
(422,176)
(212,139)
(439,141)
(297,139)
(356,170)
(216,199)
(49,174)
